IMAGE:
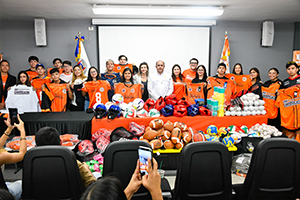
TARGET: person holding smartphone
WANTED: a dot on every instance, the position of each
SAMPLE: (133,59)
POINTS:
(15,188)
(102,189)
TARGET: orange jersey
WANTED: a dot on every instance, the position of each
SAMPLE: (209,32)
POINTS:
(97,91)
(188,75)
(195,91)
(60,71)
(288,100)
(230,88)
(129,93)
(120,68)
(32,74)
(179,90)
(37,85)
(58,96)
(269,96)
(4,79)
(242,82)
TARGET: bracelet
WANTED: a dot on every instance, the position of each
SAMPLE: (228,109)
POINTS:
(5,133)
(22,138)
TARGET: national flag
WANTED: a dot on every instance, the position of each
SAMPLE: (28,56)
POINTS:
(81,56)
(225,54)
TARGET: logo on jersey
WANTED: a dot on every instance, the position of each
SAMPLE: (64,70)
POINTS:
(101,89)
(286,83)
(123,90)
(298,81)
(268,95)
(132,90)
(64,91)
(291,102)
(190,89)
(232,78)
(119,67)
(199,89)
(244,79)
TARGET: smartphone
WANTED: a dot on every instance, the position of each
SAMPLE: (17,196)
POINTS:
(13,115)
(144,154)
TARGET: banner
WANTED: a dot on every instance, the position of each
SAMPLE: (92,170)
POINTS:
(81,56)
(225,54)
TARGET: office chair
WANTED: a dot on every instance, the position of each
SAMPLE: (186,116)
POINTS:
(51,172)
(120,160)
(274,171)
(2,181)
(203,172)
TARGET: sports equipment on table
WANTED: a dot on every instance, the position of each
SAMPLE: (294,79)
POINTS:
(180,111)
(149,104)
(168,144)
(213,139)
(160,103)
(136,129)
(212,130)
(228,141)
(169,126)
(108,104)
(192,110)
(142,113)
(85,147)
(186,137)
(167,110)
(236,137)
(156,124)
(129,113)
(154,113)
(223,132)
(166,135)
(150,135)
(176,135)
(179,145)
(198,137)
(182,126)
(204,111)
(156,144)
(117,99)
(99,110)
(113,112)
(171,99)
(138,104)
(184,103)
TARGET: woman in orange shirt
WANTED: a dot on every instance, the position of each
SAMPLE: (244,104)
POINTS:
(179,84)
(176,74)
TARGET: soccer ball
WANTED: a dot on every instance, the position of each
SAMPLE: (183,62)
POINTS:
(212,130)
(213,139)
(123,107)
(138,104)
(129,113)
(223,132)
(154,113)
(117,99)
(142,113)
(228,141)
(108,104)
(236,137)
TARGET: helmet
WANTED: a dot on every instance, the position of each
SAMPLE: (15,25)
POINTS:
(149,104)
(171,99)
(167,110)
(192,110)
(154,113)
(183,102)
(138,104)
(200,102)
(160,103)
(108,104)
(113,112)
(99,110)
(180,111)
(85,147)
(130,112)
(117,99)
(204,111)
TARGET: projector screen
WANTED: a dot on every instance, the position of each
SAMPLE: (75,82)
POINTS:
(173,45)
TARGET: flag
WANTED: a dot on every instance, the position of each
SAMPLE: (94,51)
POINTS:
(81,56)
(225,54)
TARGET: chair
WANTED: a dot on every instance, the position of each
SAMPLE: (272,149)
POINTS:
(2,181)
(51,172)
(203,172)
(274,171)
(120,160)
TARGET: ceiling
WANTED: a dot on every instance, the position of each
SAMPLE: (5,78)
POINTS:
(234,10)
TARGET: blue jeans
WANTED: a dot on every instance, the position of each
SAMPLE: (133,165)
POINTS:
(15,188)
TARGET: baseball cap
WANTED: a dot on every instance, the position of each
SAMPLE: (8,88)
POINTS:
(38,65)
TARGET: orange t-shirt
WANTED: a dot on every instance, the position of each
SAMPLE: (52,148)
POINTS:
(288,100)
(242,82)
(37,85)
(179,90)
(230,88)
(4,79)
(269,96)
(97,91)
(120,68)
(129,92)
(60,71)
(188,75)
(32,74)
(195,91)
(59,97)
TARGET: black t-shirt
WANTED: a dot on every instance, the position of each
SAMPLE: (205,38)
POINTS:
(256,88)
(291,82)
(198,80)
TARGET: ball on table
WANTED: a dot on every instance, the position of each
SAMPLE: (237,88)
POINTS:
(223,132)
(212,130)
(228,141)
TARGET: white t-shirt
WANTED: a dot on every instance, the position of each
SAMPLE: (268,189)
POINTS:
(24,98)
(65,77)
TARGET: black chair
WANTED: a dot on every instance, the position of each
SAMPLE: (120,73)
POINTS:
(51,172)
(2,181)
(274,171)
(120,160)
(203,172)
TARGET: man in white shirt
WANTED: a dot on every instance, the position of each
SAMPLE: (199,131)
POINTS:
(67,74)
(160,83)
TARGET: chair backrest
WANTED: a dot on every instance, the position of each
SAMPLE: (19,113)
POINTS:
(51,172)
(203,172)
(2,181)
(274,171)
(120,160)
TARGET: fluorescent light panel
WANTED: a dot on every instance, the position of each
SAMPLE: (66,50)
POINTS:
(157,11)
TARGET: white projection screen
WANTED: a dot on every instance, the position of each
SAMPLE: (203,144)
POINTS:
(173,45)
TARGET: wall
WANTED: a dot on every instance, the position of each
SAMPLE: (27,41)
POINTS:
(18,43)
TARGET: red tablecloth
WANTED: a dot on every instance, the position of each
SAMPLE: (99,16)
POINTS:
(197,122)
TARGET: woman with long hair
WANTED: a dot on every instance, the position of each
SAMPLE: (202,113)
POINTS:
(142,78)
(76,84)
(256,81)
(176,74)
(23,79)
(201,75)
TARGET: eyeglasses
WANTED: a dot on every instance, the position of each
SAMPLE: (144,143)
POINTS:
(93,72)
(194,63)
(291,62)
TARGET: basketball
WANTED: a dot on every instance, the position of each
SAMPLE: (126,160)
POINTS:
(198,137)
(169,126)
(156,144)
(168,144)
(182,126)
(150,135)
(156,124)
(212,130)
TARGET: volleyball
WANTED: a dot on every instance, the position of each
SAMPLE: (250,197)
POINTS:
(117,99)
(212,130)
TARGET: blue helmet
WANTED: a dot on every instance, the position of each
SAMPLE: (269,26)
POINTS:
(192,110)
(99,110)
(113,112)
(167,110)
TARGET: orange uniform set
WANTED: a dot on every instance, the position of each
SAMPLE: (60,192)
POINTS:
(120,68)
(179,90)
(195,91)
(230,88)
(269,96)
(31,74)
(37,85)
(188,75)
(129,92)
(57,98)
(4,79)
(242,82)
(97,91)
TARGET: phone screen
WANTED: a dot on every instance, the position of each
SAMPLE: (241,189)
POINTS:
(13,114)
(144,154)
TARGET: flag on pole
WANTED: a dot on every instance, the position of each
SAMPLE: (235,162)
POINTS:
(81,56)
(225,54)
